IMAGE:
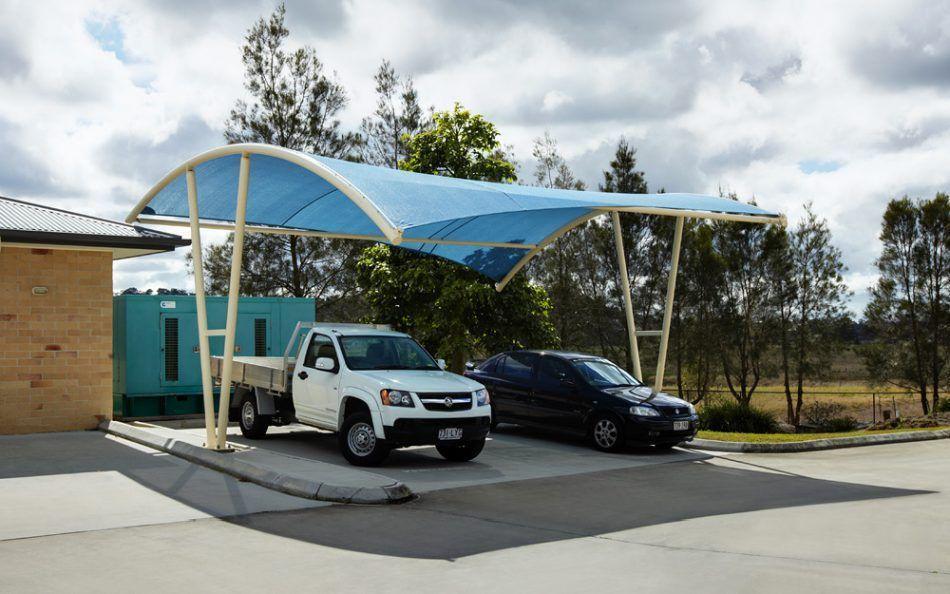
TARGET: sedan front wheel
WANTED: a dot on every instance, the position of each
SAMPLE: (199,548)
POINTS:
(606,434)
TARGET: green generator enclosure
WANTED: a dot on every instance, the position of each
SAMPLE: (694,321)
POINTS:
(156,368)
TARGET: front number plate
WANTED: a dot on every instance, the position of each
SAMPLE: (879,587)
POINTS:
(680,425)
(450,433)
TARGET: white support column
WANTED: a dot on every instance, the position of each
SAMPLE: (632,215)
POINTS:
(234,291)
(668,313)
(627,298)
(204,351)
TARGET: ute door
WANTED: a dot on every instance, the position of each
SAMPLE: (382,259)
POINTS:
(514,386)
(557,401)
(316,390)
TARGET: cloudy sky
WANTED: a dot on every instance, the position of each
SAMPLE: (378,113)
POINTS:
(842,104)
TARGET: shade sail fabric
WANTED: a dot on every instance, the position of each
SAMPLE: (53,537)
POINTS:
(461,220)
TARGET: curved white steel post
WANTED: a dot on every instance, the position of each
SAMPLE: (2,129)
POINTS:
(234,291)
(627,298)
(668,312)
(204,352)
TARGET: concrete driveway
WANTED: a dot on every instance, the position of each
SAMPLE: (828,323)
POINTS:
(511,454)
(71,482)
(865,519)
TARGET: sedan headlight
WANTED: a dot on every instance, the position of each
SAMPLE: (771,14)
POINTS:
(482,397)
(396,398)
(644,411)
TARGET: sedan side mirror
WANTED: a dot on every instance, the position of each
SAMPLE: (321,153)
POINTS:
(440,363)
(567,381)
(325,364)
(470,366)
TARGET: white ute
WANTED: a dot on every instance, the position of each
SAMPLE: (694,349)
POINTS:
(377,389)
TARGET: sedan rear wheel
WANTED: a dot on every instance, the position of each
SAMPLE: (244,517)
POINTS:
(606,434)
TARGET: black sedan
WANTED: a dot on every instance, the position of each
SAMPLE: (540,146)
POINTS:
(582,395)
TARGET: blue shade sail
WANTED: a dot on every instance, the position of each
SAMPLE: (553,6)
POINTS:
(497,218)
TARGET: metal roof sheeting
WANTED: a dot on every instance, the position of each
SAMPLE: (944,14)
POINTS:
(24,216)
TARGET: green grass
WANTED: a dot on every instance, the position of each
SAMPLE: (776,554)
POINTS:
(792,437)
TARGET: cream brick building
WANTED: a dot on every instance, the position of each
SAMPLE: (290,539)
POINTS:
(56,314)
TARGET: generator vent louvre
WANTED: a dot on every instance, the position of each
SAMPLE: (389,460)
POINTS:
(171,349)
(260,337)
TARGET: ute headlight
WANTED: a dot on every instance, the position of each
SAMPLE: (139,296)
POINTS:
(396,398)
(644,411)
(482,397)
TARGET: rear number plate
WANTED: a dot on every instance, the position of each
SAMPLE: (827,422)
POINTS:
(450,433)
(680,425)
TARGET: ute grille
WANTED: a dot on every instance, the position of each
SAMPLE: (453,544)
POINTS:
(437,401)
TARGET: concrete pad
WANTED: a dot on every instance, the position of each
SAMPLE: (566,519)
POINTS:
(69,482)
(729,524)
(511,454)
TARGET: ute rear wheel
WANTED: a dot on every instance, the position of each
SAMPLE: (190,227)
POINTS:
(359,443)
(461,452)
(253,424)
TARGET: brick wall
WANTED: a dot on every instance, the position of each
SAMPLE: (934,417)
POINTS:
(55,349)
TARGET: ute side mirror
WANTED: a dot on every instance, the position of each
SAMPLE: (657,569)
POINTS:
(440,363)
(325,364)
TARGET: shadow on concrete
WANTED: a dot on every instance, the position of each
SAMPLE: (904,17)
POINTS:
(75,460)
(471,520)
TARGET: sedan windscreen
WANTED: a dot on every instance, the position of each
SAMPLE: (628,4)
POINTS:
(385,352)
(602,373)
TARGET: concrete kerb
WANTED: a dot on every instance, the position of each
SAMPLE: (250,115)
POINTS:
(297,486)
(812,445)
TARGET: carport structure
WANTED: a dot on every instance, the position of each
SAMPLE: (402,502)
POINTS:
(492,228)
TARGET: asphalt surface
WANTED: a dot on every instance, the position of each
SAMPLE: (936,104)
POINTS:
(867,519)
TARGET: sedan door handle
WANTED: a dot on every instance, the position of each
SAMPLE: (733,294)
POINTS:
(302,375)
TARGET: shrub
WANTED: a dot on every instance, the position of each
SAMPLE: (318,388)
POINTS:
(845,423)
(729,416)
(820,413)
(943,405)
(829,416)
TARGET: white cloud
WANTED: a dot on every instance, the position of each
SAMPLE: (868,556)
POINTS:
(842,105)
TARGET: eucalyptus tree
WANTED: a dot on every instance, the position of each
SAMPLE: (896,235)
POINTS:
(909,307)
(295,103)
(810,293)
(559,268)
(397,118)
(745,305)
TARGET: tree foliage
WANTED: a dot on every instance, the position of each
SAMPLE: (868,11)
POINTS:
(454,311)
(294,102)
(397,118)
(460,144)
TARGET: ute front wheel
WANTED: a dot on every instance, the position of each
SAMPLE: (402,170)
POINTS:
(359,443)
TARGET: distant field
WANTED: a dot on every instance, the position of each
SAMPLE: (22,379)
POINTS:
(855,397)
